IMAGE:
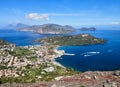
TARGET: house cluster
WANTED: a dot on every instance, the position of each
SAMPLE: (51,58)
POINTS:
(41,52)
(10,73)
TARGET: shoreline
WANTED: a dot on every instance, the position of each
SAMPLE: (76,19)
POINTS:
(59,54)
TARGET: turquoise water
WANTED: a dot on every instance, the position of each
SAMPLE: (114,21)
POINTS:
(102,57)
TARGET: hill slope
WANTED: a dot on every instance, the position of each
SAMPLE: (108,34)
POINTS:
(49,29)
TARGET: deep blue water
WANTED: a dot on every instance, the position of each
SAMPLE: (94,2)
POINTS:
(21,38)
(107,59)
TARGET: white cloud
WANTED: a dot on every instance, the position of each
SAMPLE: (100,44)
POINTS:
(45,16)
(115,23)
(37,16)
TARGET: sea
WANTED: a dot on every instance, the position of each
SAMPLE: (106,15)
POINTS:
(100,57)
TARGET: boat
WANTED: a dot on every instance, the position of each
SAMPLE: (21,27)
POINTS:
(69,54)
(96,52)
(90,53)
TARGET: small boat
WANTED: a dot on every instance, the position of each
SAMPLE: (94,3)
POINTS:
(87,54)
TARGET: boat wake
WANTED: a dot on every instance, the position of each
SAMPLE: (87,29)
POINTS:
(69,54)
(87,54)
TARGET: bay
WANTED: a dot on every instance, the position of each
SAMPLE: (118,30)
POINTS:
(102,57)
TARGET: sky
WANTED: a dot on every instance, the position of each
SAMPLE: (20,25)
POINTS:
(65,12)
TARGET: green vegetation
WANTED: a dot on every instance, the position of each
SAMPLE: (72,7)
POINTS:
(82,86)
(31,74)
(3,67)
(29,70)
(81,39)
(23,52)
(19,51)
(33,59)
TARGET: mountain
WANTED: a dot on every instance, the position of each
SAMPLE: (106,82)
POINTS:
(15,26)
(49,29)
(88,29)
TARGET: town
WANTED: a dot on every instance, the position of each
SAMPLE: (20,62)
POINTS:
(30,63)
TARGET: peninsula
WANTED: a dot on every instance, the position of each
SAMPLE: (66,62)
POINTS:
(75,40)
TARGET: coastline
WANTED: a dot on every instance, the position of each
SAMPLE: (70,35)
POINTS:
(96,77)
(59,54)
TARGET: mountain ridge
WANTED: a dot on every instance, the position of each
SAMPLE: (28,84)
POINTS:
(49,29)
(15,26)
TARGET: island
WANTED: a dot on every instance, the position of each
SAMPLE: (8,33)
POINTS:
(72,40)
(49,29)
(15,26)
(88,29)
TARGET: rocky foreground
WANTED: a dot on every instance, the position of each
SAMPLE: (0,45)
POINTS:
(87,79)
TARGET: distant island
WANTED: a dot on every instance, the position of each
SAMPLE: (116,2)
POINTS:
(88,29)
(81,39)
(49,29)
(15,26)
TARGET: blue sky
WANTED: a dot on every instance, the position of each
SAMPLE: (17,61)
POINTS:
(72,12)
